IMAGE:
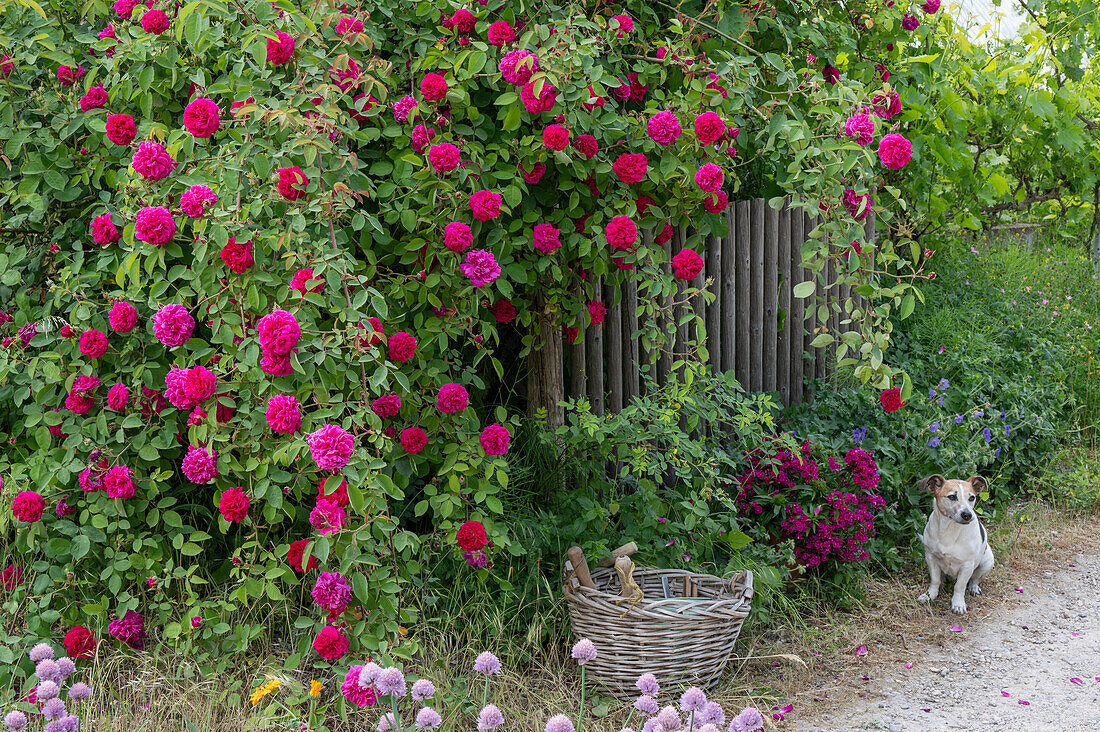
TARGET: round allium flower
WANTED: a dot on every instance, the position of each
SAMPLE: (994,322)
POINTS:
(596,311)
(330,446)
(278,332)
(301,278)
(709,177)
(669,718)
(555,137)
(331,591)
(687,264)
(93,343)
(129,629)
(586,145)
(443,157)
(749,720)
(103,230)
(118,397)
(910,22)
(489,718)
(79,642)
(402,346)
(486,663)
(646,704)
(711,714)
(280,50)
(121,129)
(621,233)
(647,684)
(413,440)
(891,399)
(15,720)
(296,552)
(48,688)
(284,414)
(716,202)
(122,317)
(422,689)
(630,167)
(693,700)
(68,76)
(542,102)
(27,506)
(173,325)
(237,255)
(471,537)
(402,107)
(517,66)
(331,644)
(547,238)
(427,718)
(390,682)
(433,87)
(664,127)
(65,667)
(494,439)
(709,128)
(201,117)
(452,398)
(292,183)
(195,199)
(457,237)
(154,224)
(152,162)
(360,696)
(504,311)
(860,128)
(894,151)
(559,723)
(584,651)
(387,723)
(233,504)
(930,7)
(79,691)
(368,673)
(54,708)
(154,21)
(199,465)
(485,205)
(480,267)
(94,98)
(387,405)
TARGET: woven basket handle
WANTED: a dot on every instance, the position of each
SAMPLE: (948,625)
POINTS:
(744,577)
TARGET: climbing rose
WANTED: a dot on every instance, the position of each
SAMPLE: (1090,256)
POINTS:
(664,127)
(93,343)
(283,414)
(68,76)
(339,494)
(716,202)
(104,231)
(301,278)
(709,177)
(173,325)
(457,237)
(27,506)
(330,446)
(349,25)
(830,74)
(452,398)
(360,696)
(630,167)
(891,399)
(494,439)
(331,644)
(709,127)
(586,145)
(544,102)
(687,264)
(237,255)
(504,311)
(403,107)
(500,33)
(621,233)
(387,405)
(195,199)
(910,22)
(276,365)
(331,591)
(199,465)
(555,137)
(327,516)
(121,129)
(118,397)
(11,576)
(930,7)
(433,87)
(886,107)
(201,117)
(533,177)
(94,98)
(547,238)
(278,332)
(118,483)
(517,66)
(280,50)
(402,346)
(413,440)
(480,267)
(199,384)
(596,311)
(6,67)
(154,21)
(485,205)
(292,183)
(443,157)
(471,537)
(626,25)
(894,151)
(233,505)
(154,224)
(421,135)
(463,20)
(854,203)
(860,128)
(79,642)
(129,629)
(296,552)
(152,162)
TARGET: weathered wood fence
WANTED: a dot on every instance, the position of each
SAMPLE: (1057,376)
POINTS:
(754,327)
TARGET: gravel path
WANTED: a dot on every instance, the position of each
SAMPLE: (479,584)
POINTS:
(1028,650)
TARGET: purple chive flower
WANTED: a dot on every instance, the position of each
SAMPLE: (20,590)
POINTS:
(423,689)
(559,723)
(712,714)
(584,651)
(669,718)
(751,719)
(79,691)
(368,674)
(387,722)
(47,670)
(65,667)
(390,682)
(487,664)
(428,718)
(41,652)
(489,718)
(46,690)
(647,684)
(54,709)
(15,721)
(69,723)
(693,700)
(646,704)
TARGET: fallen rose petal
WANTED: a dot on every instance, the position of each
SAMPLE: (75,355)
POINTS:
(1077,681)
(908,664)
(1019,589)
(1005,693)
(955,629)
(861,651)
(1021,701)
(1075,634)
(925,710)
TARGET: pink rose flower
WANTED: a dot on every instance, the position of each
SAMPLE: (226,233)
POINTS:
(173,325)
(200,465)
(457,237)
(709,128)
(201,117)
(93,343)
(152,162)
(331,447)
(494,439)
(480,267)
(155,225)
(122,317)
(630,167)
(500,33)
(233,505)
(517,66)
(386,406)
(443,157)
(860,128)
(542,102)
(118,483)
(664,128)
(413,440)
(452,398)
(326,517)
(621,233)
(154,21)
(895,151)
(280,50)
(195,199)
(547,238)
(278,332)
(118,397)
(284,414)
(687,264)
(555,137)
(121,129)
(586,145)
(433,87)
(94,98)
(485,205)
(237,255)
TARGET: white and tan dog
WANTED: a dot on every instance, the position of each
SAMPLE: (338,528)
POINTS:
(954,539)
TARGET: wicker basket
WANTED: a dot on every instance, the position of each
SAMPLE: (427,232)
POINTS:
(682,640)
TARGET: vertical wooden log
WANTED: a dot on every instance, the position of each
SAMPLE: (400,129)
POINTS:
(727,292)
(756,297)
(666,322)
(771,298)
(615,350)
(815,322)
(744,285)
(798,307)
(632,375)
(596,386)
(783,347)
(578,377)
(830,299)
(715,327)
(545,368)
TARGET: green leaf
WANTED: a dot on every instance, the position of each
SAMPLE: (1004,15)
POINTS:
(907,305)
(511,120)
(803,289)
(81,546)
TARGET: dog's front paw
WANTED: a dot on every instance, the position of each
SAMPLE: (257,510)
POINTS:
(974,590)
(927,597)
(958,606)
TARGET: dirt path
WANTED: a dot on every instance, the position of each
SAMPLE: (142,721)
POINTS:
(1031,649)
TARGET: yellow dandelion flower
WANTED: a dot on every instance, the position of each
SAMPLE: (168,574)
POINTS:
(315,688)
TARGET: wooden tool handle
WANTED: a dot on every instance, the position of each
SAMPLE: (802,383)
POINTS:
(624,551)
(580,566)
(625,567)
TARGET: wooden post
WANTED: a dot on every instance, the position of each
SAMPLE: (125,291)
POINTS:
(615,350)
(786,270)
(632,377)
(716,330)
(770,323)
(744,285)
(798,308)
(727,293)
(578,386)
(545,368)
(756,297)
(595,361)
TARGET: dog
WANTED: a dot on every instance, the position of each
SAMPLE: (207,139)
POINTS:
(955,542)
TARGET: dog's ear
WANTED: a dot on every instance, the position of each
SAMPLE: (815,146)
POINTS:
(932,483)
(978,482)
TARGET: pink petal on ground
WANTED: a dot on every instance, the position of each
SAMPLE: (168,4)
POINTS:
(1005,693)
(955,629)
(908,664)
(861,651)
(1075,634)
(1077,681)
(925,710)
(1019,589)
(1021,701)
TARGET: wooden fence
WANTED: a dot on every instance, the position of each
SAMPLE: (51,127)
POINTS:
(754,326)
